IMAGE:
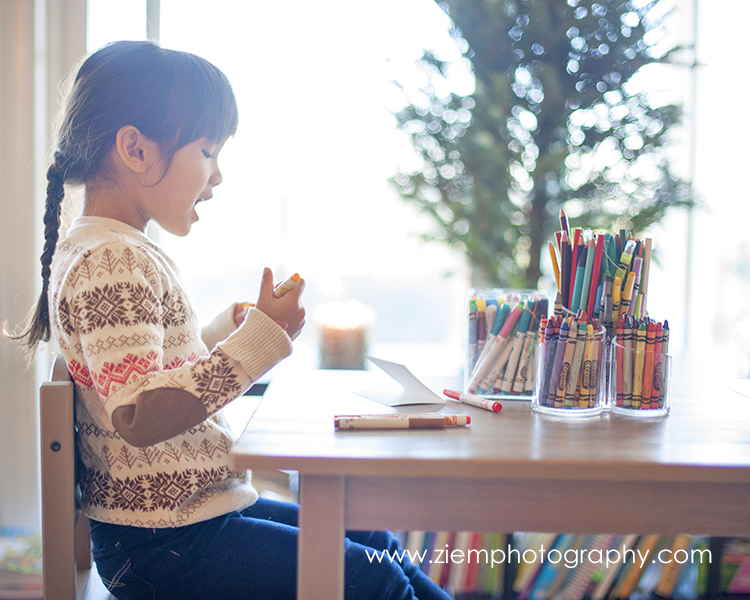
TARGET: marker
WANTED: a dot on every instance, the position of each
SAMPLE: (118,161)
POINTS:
(286,286)
(400,421)
(474,400)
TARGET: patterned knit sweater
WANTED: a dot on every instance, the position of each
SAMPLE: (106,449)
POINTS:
(149,383)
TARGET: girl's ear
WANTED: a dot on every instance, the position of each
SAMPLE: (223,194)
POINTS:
(136,151)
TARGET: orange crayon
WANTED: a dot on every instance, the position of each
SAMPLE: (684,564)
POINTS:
(648,367)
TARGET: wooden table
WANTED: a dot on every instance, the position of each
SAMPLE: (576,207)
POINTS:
(512,471)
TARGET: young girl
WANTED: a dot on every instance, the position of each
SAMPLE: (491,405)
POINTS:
(169,517)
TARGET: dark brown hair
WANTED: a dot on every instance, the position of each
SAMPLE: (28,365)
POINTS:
(173,98)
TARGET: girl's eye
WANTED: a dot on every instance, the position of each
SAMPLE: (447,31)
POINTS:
(206,154)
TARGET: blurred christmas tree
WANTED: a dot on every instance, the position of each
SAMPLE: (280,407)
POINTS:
(552,123)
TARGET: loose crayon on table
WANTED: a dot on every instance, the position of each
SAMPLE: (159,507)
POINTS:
(464,398)
(287,285)
(554,377)
(648,367)
(638,364)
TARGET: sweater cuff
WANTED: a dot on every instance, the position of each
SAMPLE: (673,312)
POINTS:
(258,344)
(219,329)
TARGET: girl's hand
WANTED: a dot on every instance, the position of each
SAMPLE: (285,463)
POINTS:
(287,311)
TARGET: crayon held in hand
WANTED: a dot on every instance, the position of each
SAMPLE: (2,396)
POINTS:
(286,286)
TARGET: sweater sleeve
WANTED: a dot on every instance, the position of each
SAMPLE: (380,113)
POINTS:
(119,303)
(220,328)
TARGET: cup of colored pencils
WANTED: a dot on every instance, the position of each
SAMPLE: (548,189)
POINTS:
(571,359)
(640,368)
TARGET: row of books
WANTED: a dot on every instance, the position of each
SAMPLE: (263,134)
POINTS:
(547,566)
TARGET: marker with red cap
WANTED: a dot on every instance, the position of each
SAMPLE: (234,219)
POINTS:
(465,398)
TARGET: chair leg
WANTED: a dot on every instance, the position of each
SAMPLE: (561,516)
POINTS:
(83,544)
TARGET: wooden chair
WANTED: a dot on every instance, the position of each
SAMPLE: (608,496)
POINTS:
(66,549)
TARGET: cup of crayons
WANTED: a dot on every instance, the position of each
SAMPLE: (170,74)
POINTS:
(501,342)
(570,377)
(640,368)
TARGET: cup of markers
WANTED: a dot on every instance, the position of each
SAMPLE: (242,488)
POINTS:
(501,342)
(571,373)
(640,369)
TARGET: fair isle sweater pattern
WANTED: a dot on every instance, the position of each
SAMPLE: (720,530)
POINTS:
(130,336)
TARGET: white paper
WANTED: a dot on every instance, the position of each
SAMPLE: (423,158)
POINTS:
(412,390)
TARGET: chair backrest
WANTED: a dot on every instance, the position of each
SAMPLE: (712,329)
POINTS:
(66,547)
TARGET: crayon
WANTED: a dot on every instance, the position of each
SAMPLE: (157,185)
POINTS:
(473,334)
(484,403)
(562,381)
(488,370)
(547,358)
(616,290)
(400,421)
(558,310)
(645,274)
(286,285)
(638,364)
(594,293)
(596,364)
(481,326)
(648,367)
(587,287)
(555,264)
(554,377)
(658,364)
(627,363)
(518,339)
(637,263)
(625,258)
(665,352)
(619,355)
(489,345)
(575,367)
(588,385)
(627,294)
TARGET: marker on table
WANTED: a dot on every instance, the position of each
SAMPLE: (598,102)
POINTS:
(286,286)
(464,398)
(400,421)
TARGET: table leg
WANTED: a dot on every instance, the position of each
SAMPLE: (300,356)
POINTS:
(320,554)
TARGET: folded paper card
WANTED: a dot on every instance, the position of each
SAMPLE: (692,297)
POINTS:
(412,391)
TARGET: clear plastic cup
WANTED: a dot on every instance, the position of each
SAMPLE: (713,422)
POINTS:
(571,376)
(639,381)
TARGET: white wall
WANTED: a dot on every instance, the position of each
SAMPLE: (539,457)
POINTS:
(39,41)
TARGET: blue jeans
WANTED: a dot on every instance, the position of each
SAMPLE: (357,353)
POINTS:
(245,555)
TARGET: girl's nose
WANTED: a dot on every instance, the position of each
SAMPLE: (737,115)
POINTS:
(216,177)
